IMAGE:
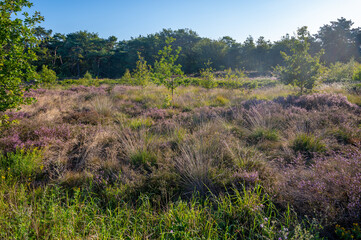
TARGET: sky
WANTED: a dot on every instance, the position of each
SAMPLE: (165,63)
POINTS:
(209,18)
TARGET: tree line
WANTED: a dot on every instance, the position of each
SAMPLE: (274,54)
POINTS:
(72,55)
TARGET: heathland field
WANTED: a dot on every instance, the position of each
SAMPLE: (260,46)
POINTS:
(114,161)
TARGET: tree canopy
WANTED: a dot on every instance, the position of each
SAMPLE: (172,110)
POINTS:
(17,41)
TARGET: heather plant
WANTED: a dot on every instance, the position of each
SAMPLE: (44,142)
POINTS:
(27,136)
(329,188)
(315,101)
(190,171)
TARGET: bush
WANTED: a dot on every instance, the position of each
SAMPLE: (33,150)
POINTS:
(47,76)
(340,72)
(329,189)
(208,79)
(21,164)
(88,76)
(142,73)
(357,74)
(352,233)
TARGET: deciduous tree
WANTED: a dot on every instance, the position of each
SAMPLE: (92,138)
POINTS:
(17,41)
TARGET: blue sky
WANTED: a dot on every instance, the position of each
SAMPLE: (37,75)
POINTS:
(209,18)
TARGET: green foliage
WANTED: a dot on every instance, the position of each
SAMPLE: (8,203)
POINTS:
(340,72)
(21,165)
(127,77)
(261,134)
(142,73)
(307,143)
(17,42)
(166,72)
(220,101)
(167,101)
(5,122)
(140,122)
(301,69)
(88,76)
(47,76)
(80,213)
(208,79)
(143,158)
(357,74)
(231,75)
(348,234)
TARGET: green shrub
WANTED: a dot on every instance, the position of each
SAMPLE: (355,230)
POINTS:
(351,233)
(307,144)
(88,76)
(357,74)
(142,73)
(22,164)
(340,72)
(47,76)
(127,77)
(208,79)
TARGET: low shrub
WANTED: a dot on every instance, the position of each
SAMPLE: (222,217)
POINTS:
(328,189)
(21,164)
(47,76)
(357,74)
(348,234)
(340,72)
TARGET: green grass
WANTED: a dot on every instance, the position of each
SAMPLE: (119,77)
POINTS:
(53,212)
(262,134)
(308,144)
(21,165)
(138,123)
